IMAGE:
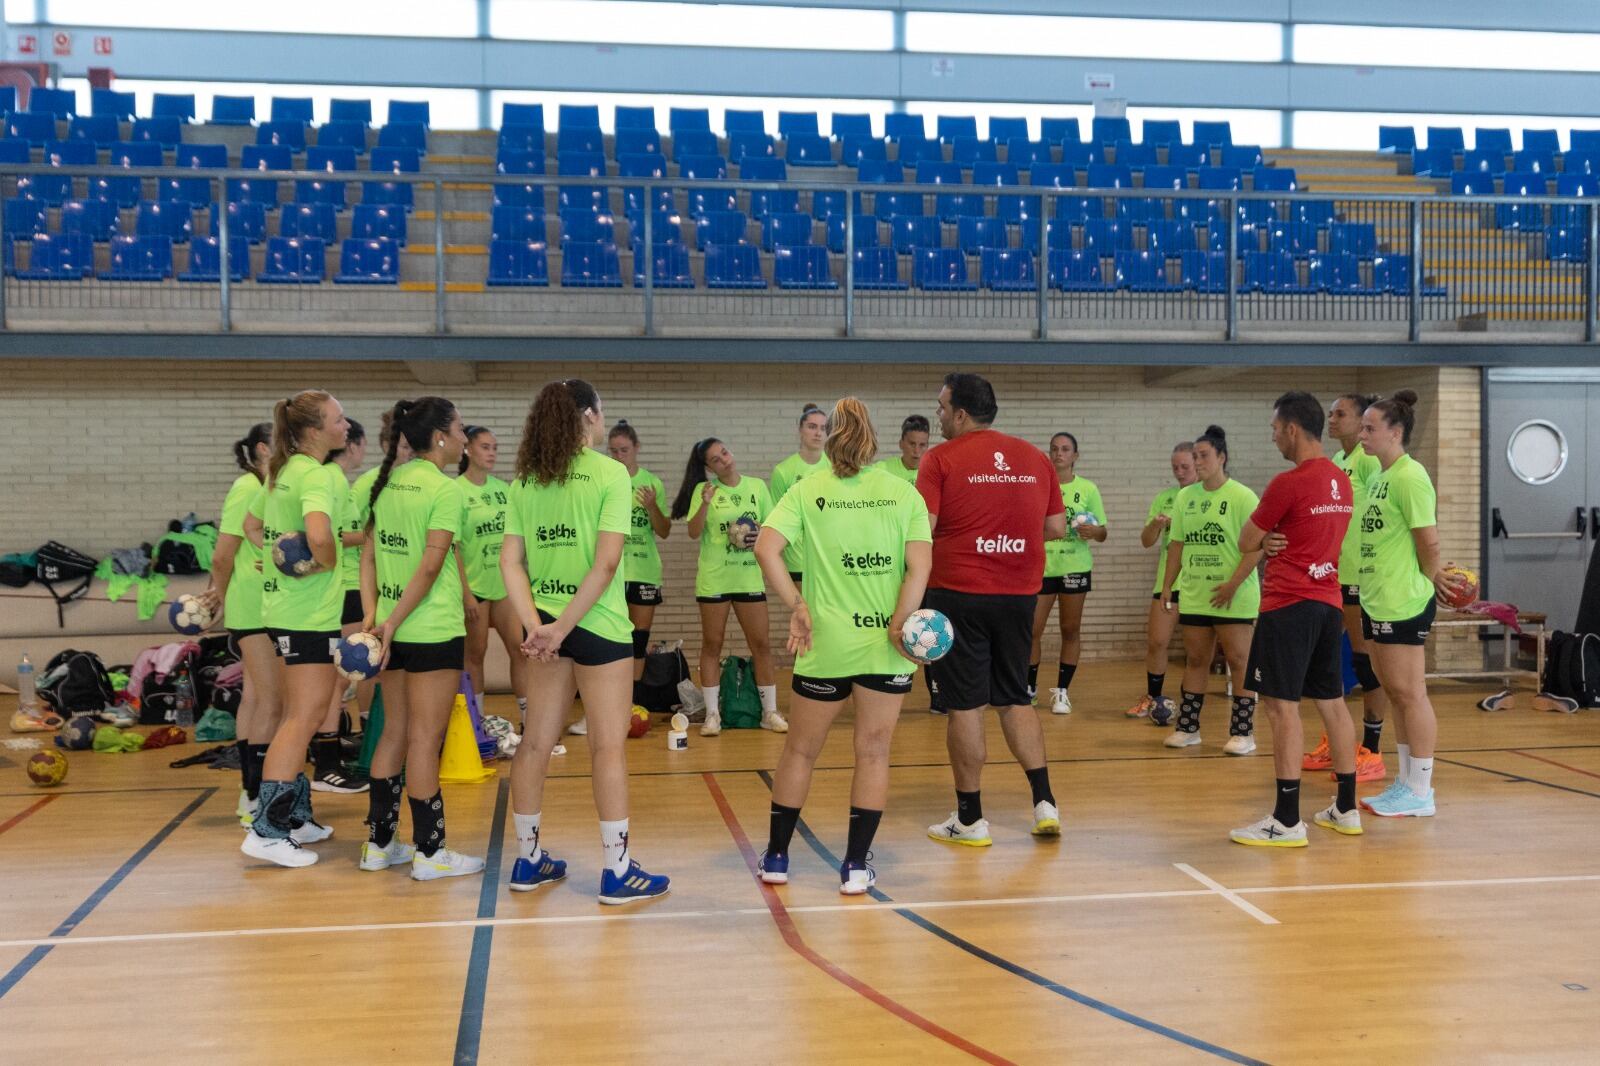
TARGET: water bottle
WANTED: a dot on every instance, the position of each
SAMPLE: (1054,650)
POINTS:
(27,699)
(183,701)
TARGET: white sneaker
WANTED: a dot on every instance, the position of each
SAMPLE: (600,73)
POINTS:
(712,725)
(1346,822)
(1046,820)
(1240,746)
(1271,833)
(282,851)
(1059,703)
(443,863)
(1179,739)
(580,727)
(246,810)
(311,833)
(394,854)
(559,749)
(951,831)
(774,721)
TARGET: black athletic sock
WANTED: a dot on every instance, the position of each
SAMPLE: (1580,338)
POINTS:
(1347,791)
(1039,781)
(1153,684)
(969,807)
(1371,734)
(780,828)
(1064,672)
(427,823)
(1189,711)
(1287,808)
(258,768)
(244,766)
(863,827)
(1033,678)
(383,809)
(326,754)
(1242,722)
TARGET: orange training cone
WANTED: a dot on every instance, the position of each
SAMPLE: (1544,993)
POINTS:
(460,763)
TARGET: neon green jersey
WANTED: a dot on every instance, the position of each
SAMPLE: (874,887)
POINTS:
(1208,525)
(1162,505)
(1360,468)
(560,525)
(314,603)
(785,476)
(723,568)
(482,531)
(895,466)
(641,558)
(358,508)
(418,499)
(1071,555)
(1399,500)
(242,608)
(852,534)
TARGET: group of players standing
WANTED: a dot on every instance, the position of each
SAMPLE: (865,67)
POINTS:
(562,562)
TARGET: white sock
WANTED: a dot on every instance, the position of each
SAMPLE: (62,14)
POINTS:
(1404,751)
(614,845)
(769,698)
(527,835)
(712,696)
(1420,778)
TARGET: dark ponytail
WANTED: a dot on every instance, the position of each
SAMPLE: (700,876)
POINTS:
(473,433)
(622,429)
(1218,439)
(694,475)
(417,421)
(1399,410)
(552,434)
(244,449)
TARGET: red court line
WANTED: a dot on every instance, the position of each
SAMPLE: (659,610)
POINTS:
(1552,762)
(791,936)
(15,818)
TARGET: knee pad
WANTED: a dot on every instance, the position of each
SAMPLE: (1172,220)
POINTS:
(1362,663)
(641,642)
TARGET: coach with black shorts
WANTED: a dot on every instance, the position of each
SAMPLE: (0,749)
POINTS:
(1300,522)
(993,502)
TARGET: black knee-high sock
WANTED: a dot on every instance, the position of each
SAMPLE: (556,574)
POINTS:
(1064,672)
(427,823)
(969,807)
(1039,782)
(243,748)
(863,827)
(258,767)
(1242,721)
(1287,808)
(1371,734)
(1153,684)
(325,752)
(383,809)
(780,828)
(1033,678)
(1189,712)
(1346,800)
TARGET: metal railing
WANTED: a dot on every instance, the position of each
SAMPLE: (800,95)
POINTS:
(1189,263)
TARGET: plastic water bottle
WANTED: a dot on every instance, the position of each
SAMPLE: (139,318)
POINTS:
(27,698)
(183,701)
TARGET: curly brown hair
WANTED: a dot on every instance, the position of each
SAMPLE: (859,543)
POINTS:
(553,432)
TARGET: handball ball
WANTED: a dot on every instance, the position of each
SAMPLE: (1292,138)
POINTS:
(1467,595)
(189,615)
(1083,518)
(292,555)
(358,658)
(743,531)
(927,636)
(46,768)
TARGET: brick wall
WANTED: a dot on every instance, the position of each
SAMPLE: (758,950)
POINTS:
(106,467)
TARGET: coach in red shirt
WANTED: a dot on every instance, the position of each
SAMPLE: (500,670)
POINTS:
(1301,521)
(993,502)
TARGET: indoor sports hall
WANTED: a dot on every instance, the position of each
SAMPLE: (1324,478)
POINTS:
(944,491)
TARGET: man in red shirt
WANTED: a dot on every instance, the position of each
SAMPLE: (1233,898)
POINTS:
(1301,521)
(993,502)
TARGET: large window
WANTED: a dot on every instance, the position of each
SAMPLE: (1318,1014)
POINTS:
(448,109)
(1109,38)
(1404,46)
(1358,130)
(390,18)
(769,105)
(718,25)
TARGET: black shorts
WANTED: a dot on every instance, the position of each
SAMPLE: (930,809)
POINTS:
(413,658)
(1211,620)
(640,594)
(734,597)
(297,647)
(236,635)
(1065,585)
(1351,594)
(988,664)
(835,689)
(586,649)
(1413,631)
(1295,653)
(353,611)
(1157,596)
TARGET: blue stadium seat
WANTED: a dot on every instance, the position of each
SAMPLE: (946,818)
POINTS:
(1273,179)
(572,116)
(734,266)
(968,151)
(1566,243)
(948,206)
(879,172)
(865,235)
(199,157)
(1449,137)
(644,165)
(368,262)
(55,188)
(669,266)
(110,102)
(764,202)
(246,221)
(1058,233)
(914,150)
(1007,270)
(408,113)
(586,227)
(850,125)
(37,130)
(579,165)
(308,220)
(13,150)
(350,110)
(98,130)
(809,150)
(1059,130)
(159,129)
(1298,239)
(1402,140)
(1317,213)
(352,135)
(580,139)
(629,140)
(97,218)
(1533,161)
(1076,154)
(877,267)
(1005,129)
(1522,216)
(233,110)
(532,192)
(323,190)
(1337,275)
(1109,176)
(1008,208)
(1203,271)
(762,168)
(24,216)
(828,203)
(142,258)
(1545,142)
(62,103)
(1243,156)
(888,205)
(686,143)
(975,233)
(8,105)
(178,106)
(736,121)
(590,266)
(1484,161)
(519,139)
(856,149)
(720,227)
(802,267)
(1110,130)
(205,260)
(391,161)
(1170,237)
(513,222)
(941,270)
(1026,154)
(1433,162)
(1219,178)
(291,135)
(948,127)
(294,261)
(704,199)
(791,123)
(1076,271)
(908,232)
(786,229)
(1166,177)
(1188,156)
(634,118)
(1053,175)
(688,120)
(666,227)
(703,168)
(1136,156)
(1584,141)
(1359,239)
(1107,236)
(1249,235)
(527,115)
(518,263)
(369,221)
(1160,133)
(1492,139)
(1392,274)
(404,135)
(1212,134)
(1571,162)
(292,109)
(750,145)
(1577,185)
(59,257)
(1141,272)
(898,125)
(1270,272)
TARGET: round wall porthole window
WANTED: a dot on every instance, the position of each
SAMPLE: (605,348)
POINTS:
(1537,452)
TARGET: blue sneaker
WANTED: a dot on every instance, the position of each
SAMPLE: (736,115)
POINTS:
(1403,804)
(527,875)
(856,878)
(1383,797)
(773,868)
(636,884)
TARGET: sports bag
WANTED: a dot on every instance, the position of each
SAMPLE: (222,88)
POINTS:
(1572,667)
(185,551)
(58,564)
(17,569)
(76,682)
(740,702)
(657,690)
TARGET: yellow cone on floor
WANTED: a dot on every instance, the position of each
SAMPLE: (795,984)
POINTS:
(460,764)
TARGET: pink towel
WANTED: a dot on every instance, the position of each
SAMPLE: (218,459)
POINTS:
(1504,613)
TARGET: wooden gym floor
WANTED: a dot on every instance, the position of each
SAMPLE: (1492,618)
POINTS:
(134,931)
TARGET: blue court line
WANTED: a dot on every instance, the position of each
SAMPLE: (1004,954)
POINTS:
(469,1030)
(1021,971)
(36,956)
(1516,777)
